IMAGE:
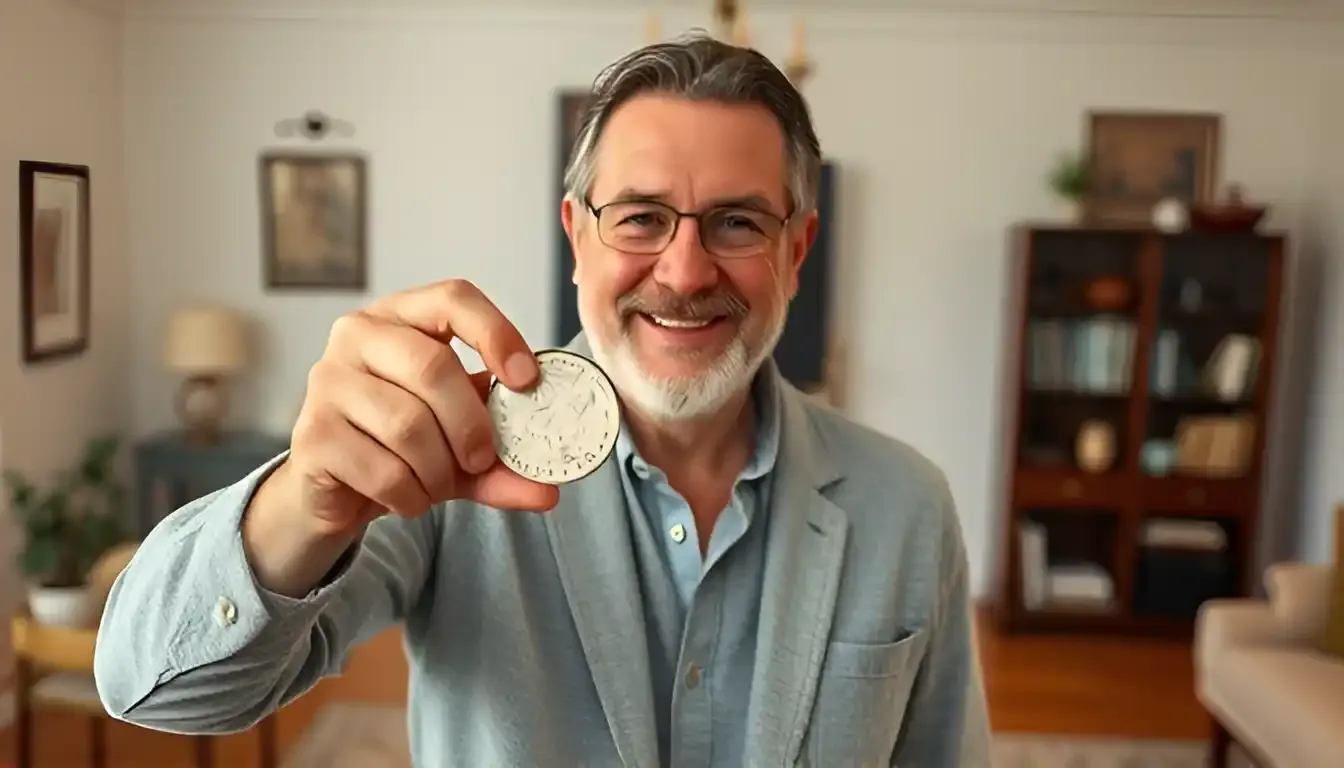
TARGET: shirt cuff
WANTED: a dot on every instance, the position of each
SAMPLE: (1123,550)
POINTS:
(232,610)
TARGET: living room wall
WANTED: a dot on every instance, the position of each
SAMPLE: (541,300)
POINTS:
(942,124)
(1323,451)
(61,97)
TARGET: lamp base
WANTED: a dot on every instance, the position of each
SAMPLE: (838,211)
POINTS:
(201,403)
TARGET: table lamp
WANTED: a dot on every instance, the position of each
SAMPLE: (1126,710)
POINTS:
(207,344)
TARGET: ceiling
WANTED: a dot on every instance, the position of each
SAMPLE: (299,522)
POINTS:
(1314,9)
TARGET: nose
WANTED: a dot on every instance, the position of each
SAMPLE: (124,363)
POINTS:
(685,266)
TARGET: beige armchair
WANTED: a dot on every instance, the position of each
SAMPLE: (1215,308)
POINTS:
(1259,673)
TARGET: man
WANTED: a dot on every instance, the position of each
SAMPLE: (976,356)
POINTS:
(750,580)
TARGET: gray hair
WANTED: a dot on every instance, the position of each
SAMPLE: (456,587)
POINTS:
(698,67)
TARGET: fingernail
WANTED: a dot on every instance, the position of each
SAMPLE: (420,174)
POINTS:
(521,367)
(482,459)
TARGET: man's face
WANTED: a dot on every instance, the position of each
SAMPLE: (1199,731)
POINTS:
(682,330)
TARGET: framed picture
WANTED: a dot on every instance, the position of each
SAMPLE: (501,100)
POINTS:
(314,221)
(1139,158)
(54,259)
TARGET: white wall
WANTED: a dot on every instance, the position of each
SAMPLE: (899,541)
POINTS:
(1323,452)
(943,125)
(61,100)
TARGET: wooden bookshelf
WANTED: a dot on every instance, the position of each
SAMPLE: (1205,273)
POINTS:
(1139,375)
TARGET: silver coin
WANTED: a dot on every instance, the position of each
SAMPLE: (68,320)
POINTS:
(563,428)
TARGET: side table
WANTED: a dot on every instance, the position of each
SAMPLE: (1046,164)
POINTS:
(171,471)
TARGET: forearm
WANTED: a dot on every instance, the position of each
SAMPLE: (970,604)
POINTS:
(287,554)
(190,641)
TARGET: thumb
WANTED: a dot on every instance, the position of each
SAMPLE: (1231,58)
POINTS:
(502,488)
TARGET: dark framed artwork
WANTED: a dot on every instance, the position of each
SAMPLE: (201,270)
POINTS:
(1140,158)
(314,221)
(54,246)
(803,353)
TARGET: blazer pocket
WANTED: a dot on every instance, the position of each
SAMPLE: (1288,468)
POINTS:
(861,700)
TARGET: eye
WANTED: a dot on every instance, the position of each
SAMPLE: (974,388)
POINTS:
(641,219)
(636,220)
(737,220)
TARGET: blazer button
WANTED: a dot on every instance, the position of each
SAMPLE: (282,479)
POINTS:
(692,675)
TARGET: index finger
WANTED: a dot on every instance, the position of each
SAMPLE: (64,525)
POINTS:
(456,308)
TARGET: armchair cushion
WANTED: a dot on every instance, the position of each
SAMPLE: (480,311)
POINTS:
(1300,596)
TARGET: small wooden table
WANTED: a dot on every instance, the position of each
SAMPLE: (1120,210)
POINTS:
(171,470)
(55,671)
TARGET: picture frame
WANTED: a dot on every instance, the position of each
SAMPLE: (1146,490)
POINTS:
(1138,158)
(54,259)
(314,220)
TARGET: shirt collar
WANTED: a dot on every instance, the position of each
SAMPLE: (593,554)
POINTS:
(765,394)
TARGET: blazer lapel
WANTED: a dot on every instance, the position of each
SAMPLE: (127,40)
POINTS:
(590,536)
(804,556)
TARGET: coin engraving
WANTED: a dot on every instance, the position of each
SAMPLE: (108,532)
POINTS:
(563,428)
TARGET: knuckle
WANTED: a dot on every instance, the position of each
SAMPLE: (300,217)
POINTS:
(406,422)
(436,367)
(459,290)
(391,479)
(343,328)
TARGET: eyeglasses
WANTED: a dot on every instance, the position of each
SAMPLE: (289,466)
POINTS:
(646,228)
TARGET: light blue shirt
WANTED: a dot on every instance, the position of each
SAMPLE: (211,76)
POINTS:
(707,622)
(835,631)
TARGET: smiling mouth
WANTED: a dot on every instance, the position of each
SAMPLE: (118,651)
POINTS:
(679,323)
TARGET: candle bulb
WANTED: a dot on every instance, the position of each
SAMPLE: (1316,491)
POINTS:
(653,31)
(739,33)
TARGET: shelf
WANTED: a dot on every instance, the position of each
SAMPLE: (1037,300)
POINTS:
(1140,376)
(1182,561)
(1067,487)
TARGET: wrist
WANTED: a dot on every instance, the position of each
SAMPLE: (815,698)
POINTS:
(289,549)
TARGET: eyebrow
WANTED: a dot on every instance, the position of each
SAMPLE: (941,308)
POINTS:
(752,200)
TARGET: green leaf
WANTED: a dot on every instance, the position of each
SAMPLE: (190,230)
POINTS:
(41,559)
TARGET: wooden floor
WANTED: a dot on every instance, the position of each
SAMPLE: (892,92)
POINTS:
(1129,688)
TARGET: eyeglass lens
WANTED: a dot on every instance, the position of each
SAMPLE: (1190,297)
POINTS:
(648,228)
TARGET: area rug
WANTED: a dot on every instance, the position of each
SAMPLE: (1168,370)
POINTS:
(350,735)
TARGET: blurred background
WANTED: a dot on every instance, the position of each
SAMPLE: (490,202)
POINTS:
(1084,254)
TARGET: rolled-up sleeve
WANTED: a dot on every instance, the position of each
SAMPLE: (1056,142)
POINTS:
(189,642)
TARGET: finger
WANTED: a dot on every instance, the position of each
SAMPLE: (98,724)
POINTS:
(502,488)
(456,308)
(431,371)
(368,468)
(400,421)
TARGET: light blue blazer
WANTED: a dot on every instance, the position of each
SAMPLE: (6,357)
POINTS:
(526,636)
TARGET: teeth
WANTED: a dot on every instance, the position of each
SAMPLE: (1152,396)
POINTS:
(668,322)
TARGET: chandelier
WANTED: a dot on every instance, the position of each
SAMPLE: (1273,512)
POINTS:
(731,23)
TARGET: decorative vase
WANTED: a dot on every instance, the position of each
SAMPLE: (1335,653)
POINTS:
(60,606)
(1094,449)
(1072,211)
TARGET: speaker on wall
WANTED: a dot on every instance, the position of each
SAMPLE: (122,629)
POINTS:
(803,349)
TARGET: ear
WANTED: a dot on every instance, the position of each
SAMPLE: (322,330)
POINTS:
(801,238)
(572,230)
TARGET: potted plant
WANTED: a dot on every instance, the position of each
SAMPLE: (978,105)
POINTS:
(1070,179)
(67,527)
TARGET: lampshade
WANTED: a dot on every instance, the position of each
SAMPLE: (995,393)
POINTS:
(205,341)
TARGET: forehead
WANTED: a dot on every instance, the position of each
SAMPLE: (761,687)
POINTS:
(694,152)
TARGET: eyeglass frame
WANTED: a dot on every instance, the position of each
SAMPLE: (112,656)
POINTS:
(699,216)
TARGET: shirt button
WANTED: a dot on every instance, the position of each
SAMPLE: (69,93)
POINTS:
(677,532)
(226,613)
(693,675)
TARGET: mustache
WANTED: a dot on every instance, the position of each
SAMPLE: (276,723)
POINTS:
(720,302)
